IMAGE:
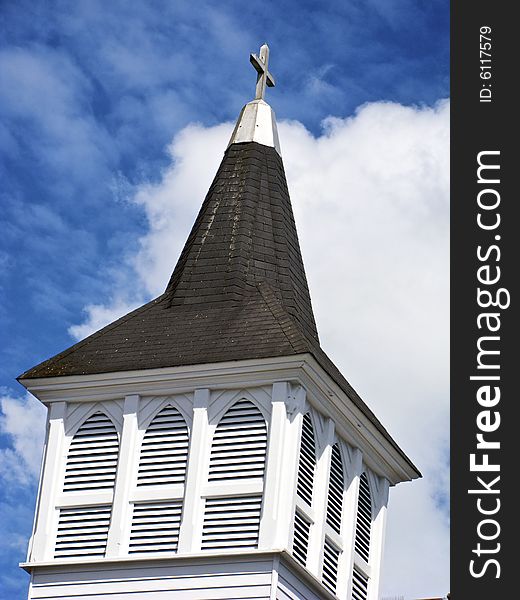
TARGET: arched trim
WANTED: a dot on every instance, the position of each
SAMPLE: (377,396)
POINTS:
(220,406)
(150,407)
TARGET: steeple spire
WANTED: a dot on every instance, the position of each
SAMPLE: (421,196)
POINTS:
(257,121)
(206,435)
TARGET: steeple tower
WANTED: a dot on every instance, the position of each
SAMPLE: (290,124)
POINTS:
(204,445)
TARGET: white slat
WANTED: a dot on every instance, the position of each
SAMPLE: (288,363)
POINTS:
(164,450)
(300,538)
(239,444)
(231,523)
(92,456)
(155,527)
(307,461)
(359,586)
(364,518)
(329,574)
(336,487)
(82,532)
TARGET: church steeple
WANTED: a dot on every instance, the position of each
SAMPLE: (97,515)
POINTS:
(204,445)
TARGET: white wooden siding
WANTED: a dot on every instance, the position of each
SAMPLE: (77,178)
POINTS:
(293,587)
(195,580)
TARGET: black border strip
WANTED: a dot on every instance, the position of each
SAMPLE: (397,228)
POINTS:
(483,121)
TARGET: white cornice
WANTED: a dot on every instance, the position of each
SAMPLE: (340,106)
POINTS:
(379,453)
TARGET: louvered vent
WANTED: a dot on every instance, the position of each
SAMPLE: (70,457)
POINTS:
(300,538)
(231,523)
(330,566)
(364,518)
(336,486)
(82,532)
(307,464)
(239,444)
(92,456)
(164,451)
(155,527)
(359,586)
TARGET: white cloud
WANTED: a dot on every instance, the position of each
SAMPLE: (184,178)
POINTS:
(98,316)
(23,421)
(370,197)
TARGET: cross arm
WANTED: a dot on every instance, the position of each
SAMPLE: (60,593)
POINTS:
(260,68)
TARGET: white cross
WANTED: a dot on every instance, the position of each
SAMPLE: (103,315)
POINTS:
(264,77)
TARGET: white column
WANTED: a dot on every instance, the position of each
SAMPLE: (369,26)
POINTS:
(43,541)
(353,469)
(191,528)
(271,526)
(319,498)
(377,542)
(291,448)
(117,543)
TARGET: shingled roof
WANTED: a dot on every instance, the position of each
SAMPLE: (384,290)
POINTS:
(239,289)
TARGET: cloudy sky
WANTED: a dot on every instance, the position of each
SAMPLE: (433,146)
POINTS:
(113,119)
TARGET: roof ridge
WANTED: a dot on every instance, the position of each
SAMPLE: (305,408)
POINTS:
(289,327)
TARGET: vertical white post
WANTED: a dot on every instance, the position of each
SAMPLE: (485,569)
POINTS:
(43,541)
(319,498)
(270,535)
(353,469)
(291,452)
(117,543)
(377,542)
(190,533)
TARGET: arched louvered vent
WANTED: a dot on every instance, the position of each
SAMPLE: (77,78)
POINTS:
(330,566)
(82,532)
(364,518)
(301,538)
(231,523)
(155,527)
(307,464)
(164,450)
(92,456)
(359,586)
(239,444)
(336,487)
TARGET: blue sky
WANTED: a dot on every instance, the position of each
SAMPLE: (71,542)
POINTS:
(92,93)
